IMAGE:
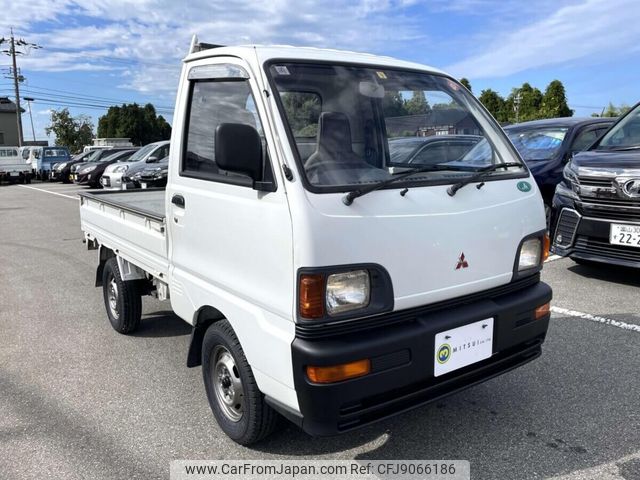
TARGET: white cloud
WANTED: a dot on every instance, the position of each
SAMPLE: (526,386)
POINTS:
(589,30)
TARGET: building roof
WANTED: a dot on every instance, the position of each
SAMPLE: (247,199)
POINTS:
(7,106)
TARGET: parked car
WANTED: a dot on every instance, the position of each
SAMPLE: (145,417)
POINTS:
(89,173)
(547,145)
(112,177)
(598,202)
(43,159)
(131,178)
(13,167)
(61,172)
(413,151)
(326,289)
(154,175)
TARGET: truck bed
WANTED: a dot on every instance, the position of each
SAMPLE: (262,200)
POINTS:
(131,223)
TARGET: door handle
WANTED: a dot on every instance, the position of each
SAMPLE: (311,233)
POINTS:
(178,201)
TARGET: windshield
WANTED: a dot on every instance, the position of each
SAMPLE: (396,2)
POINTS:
(142,153)
(355,125)
(537,143)
(623,135)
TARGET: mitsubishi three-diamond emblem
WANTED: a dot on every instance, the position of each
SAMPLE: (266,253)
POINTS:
(462,262)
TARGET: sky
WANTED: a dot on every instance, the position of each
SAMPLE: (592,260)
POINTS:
(100,52)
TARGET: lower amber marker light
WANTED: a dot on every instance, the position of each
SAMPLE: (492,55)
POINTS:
(542,310)
(337,373)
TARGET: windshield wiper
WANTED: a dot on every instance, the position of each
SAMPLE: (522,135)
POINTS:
(352,195)
(479,176)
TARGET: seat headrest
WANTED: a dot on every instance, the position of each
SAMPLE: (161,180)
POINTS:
(334,132)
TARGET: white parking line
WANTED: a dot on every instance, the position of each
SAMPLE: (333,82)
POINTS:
(595,318)
(553,258)
(72,197)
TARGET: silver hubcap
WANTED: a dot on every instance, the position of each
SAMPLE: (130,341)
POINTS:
(112,296)
(227,384)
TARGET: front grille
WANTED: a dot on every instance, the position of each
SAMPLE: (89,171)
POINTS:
(611,208)
(311,331)
(595,182)
(566,227)
(602,248)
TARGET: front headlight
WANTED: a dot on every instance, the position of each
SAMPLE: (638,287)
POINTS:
(347,291)
(121,169)
(88,169)
(569,174)
(533,252)
(335,293)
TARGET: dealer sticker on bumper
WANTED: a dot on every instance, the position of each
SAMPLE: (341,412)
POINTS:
(462,346)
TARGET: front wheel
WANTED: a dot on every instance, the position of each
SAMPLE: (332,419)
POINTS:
(237,403)
(122,300)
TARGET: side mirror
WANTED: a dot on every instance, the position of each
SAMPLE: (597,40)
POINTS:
(239,150)
(151,159)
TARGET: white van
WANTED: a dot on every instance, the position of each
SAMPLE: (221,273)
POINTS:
(325,282)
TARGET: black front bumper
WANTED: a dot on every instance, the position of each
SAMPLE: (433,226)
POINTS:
(581,235)
(402,360)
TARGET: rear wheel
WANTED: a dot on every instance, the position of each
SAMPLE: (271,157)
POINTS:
(122,300)
(237,403)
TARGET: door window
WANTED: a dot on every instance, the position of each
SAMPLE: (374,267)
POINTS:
(212,103)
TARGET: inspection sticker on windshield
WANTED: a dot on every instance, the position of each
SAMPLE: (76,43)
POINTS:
(462,346)
(281,69)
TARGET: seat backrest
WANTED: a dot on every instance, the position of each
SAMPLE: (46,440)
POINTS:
(334,134)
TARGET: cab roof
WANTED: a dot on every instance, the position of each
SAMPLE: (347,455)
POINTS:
(264,53)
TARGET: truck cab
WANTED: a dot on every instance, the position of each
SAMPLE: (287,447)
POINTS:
(324,282)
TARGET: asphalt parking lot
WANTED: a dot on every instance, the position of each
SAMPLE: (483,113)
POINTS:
(77,400)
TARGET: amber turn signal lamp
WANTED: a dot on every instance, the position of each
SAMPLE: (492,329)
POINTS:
(546,245)
(337,373)
(542,311)
(311,296)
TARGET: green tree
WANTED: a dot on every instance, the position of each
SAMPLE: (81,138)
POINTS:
(554,101)
(393,104)
(525,102)
(494,103)
(71,132)
(140,124)
(464,81)
(417,104)
(613,111)
(303,112)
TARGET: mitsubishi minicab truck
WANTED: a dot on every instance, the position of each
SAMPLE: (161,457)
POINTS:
(327,280)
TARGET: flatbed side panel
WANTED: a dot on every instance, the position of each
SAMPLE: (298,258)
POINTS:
(136,237)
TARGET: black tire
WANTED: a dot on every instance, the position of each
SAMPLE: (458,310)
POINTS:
(257,420)
(124,304)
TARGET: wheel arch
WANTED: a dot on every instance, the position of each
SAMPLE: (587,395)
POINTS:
(104,254)
(204,317)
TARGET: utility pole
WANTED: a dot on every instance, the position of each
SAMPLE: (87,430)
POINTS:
(516,106)
(17,78)
(33,131)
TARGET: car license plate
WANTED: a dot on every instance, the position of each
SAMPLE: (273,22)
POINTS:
(627,235)
(143,185)
(462,346)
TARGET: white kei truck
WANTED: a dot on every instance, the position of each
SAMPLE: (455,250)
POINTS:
(327,280)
